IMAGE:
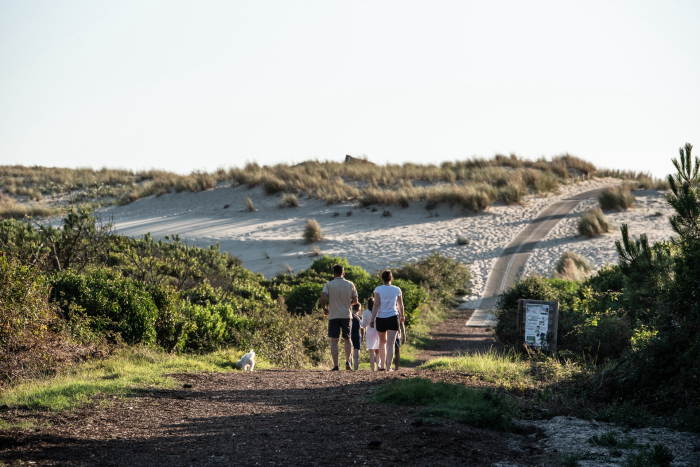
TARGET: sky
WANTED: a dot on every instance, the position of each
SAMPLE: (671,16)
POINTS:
(196,85)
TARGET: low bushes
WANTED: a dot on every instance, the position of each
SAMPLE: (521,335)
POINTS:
(618,198)
(118,304)
(587,326)
(25,320)
(443,277)
(592,223)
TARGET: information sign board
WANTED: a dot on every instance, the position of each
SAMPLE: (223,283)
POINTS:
(538,321)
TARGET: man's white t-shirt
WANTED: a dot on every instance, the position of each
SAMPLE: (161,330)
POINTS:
(388,296)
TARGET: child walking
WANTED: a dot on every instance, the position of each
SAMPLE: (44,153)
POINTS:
(400,339)
(371,336)
(355,335)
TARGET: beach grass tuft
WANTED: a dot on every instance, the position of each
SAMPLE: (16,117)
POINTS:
(593,223)
(312,231)
(618,198)
(572,266)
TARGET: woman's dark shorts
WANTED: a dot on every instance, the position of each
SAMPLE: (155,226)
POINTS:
(335,325)
(387,324)
(355,334)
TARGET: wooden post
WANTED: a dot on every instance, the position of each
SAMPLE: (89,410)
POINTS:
(549,343)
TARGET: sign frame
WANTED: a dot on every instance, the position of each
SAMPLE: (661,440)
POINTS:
(552,325)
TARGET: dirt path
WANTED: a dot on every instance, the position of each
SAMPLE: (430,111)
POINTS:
(275,417)
(452,337)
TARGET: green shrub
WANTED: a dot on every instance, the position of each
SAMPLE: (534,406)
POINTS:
(25,318)
(585,327)
(572,266)
(304,298)
(443,277)
(618,198)
(479,407)
(414,297)
(171,324)
(324,266)
(215,326)
(120,304)
(592,223)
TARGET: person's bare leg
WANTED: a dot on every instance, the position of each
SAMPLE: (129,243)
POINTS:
(382,351)
(334,350)
(390,336)
(348,349)
(372,359)
(397,357)
(356,357)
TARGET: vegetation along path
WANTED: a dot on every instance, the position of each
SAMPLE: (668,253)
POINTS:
(511,264)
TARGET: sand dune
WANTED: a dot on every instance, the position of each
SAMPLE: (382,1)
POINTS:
(270,238)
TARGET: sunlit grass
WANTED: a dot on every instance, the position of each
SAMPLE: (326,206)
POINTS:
(129,371)
(491,366)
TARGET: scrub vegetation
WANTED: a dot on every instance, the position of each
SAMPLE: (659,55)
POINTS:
(80,292)
(636,324)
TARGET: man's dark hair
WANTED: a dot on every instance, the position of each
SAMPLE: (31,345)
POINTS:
(387,276)
(338,270)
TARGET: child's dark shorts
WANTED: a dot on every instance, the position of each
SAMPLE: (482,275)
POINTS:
(355,334)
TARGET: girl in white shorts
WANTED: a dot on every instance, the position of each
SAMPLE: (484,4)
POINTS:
(371,336)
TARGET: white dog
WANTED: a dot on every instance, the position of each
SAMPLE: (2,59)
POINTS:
(247,361)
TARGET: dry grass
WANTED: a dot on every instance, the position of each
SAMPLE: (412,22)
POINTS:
(572,266)
(10,209)
(250,207)
(312,232)
(288,200)
(473,184)
(593,223)
(641,180)
(618,198)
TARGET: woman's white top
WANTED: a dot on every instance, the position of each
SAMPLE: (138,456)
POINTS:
(371,334)
(388,297)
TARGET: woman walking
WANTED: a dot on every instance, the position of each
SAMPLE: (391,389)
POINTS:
(387,313)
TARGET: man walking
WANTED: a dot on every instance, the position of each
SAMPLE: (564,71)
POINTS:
(342,296)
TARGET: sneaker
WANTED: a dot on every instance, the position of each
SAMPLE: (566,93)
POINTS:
(348,367)
(335,368)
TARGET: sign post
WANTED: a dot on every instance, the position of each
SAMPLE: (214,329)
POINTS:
(538,321)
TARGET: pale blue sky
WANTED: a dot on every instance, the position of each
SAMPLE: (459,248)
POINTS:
(196,85)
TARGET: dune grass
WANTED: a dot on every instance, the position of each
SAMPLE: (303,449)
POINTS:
(312,231)
(490,366)
(593,223)
(127,372)
(618,198)
(480,407)
(572,266)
